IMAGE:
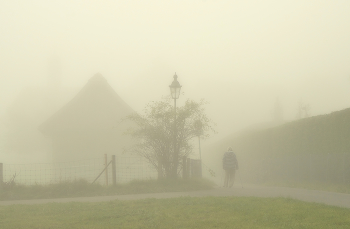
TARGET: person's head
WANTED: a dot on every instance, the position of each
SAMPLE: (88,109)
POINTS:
(229,148)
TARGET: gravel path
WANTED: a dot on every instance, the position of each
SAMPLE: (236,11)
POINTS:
(329,198)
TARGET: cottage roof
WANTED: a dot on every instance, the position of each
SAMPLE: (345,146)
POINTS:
(96,107)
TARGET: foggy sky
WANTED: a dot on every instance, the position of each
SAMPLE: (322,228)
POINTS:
(238,55)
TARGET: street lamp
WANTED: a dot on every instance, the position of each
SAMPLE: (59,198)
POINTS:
(175,88)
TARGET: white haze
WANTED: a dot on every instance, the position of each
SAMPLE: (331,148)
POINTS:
(238,55)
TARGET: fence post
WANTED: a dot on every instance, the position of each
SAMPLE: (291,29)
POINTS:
(1,175)
(114,171)
(106,171)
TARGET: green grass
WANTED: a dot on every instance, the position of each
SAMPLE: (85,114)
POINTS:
(82,188)
(186,212)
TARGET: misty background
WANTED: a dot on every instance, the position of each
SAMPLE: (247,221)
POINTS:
(241,56)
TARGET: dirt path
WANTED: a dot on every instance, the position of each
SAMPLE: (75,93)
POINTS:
(329,198)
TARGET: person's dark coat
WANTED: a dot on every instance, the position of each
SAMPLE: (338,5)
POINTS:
(229,161)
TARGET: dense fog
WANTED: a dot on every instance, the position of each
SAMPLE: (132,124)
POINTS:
(243,57)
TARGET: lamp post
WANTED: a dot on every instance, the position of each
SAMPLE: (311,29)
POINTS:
(199,130)
(175,88)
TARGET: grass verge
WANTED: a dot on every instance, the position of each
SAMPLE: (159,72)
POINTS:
(185,212)
(340,188)
(81,188)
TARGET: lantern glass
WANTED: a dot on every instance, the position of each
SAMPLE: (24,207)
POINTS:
(175,88)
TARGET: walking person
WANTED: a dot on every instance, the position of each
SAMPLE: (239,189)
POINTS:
(230,165)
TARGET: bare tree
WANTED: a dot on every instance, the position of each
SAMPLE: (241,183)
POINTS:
(306,109)
(303,110)
(154,133)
